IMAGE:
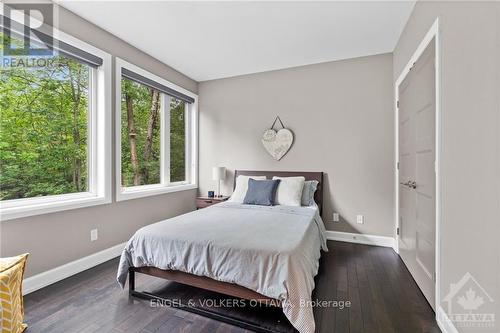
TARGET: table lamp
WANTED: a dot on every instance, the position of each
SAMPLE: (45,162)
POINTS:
(218,174)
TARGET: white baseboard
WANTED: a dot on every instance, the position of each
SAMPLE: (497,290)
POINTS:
(44,279)
(360,238)
(444,322)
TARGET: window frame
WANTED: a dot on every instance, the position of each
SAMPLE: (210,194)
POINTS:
(98,147)
(191,146)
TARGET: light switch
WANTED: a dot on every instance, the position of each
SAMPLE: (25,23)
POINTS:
(360,219)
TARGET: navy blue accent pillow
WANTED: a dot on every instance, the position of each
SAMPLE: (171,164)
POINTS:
(261,192)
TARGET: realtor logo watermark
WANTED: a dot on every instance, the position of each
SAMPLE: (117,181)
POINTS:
(469,305)
(23,42)
(241,303)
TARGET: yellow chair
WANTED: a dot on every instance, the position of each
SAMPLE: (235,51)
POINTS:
(11,294)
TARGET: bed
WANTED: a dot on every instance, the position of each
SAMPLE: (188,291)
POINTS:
(268,254)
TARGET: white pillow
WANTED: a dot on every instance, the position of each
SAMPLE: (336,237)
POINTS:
(242,186)
(289,192)
(310,187)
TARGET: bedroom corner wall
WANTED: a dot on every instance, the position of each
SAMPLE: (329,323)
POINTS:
(56,239)
(470,159)
(341,114)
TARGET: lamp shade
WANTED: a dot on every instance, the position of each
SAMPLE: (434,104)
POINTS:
(218,173)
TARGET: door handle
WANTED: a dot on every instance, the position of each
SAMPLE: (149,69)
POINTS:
(411,184)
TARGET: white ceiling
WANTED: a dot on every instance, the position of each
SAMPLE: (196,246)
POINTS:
(210,40)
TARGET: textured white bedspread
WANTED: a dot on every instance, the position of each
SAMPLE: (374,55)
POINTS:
(273,250)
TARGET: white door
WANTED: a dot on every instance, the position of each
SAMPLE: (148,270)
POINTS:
(417,177)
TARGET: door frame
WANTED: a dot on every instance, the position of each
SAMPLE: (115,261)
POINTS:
(433,33)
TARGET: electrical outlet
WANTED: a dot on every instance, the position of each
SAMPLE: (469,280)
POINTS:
(360,219)
(336,217)
(93,235)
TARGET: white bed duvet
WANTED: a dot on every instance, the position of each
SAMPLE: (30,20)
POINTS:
(273,250)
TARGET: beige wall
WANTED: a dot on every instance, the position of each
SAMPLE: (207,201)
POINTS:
(58,238)
(342,117)
(470,239)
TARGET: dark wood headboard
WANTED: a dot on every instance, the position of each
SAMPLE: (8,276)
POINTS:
(318,196)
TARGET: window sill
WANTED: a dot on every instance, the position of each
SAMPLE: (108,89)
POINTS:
(150,190)
(51,204)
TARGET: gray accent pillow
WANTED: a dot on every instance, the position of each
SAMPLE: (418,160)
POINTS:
(261,192)
(308,191)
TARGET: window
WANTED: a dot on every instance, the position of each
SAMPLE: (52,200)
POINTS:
(156,134)
(43,129)
(140,137)
(177,140)
(53,123)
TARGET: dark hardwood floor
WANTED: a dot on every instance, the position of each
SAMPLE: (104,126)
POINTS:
(384,298)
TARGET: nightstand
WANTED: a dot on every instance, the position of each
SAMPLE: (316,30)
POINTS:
(203,202)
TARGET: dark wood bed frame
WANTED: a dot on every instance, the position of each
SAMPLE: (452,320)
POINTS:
(225,288)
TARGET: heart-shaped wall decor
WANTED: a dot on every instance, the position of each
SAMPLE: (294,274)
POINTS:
(277,143)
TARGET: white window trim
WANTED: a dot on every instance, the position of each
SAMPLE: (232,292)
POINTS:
(134,192)
(99,160)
